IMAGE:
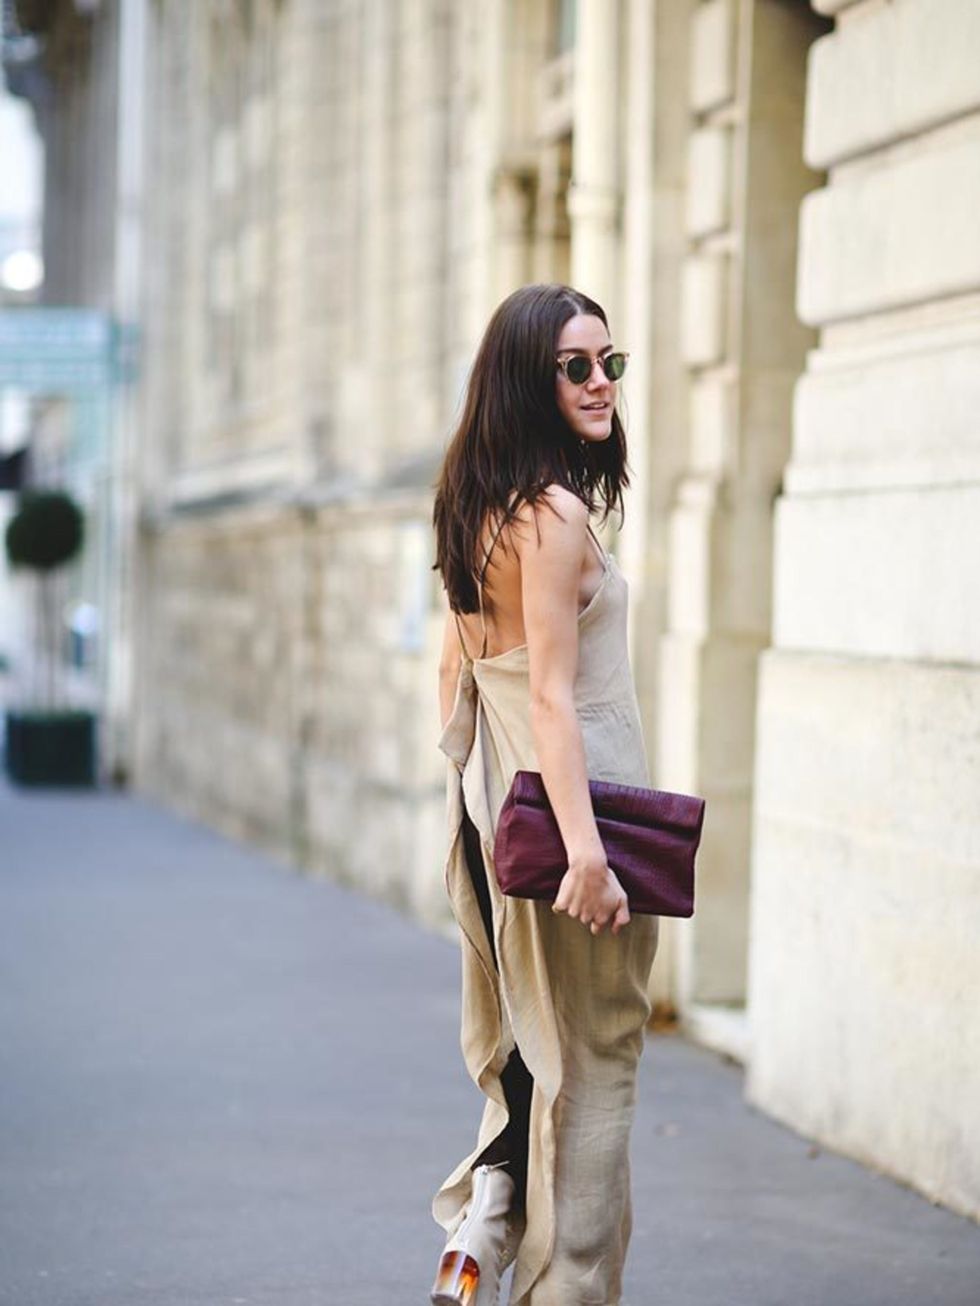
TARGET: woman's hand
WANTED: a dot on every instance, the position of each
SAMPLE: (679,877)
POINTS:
(591,893)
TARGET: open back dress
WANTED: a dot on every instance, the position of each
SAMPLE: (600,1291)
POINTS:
(575,1004)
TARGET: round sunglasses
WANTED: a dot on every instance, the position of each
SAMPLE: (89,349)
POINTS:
(578,368)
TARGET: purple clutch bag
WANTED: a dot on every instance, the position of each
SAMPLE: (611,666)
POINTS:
(650,837)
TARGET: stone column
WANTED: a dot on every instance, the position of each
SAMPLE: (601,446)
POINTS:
(743,348)
(593,196)
(123,589)
(655,42)
(551,253)
(513,200)
(866,866)
(520,49)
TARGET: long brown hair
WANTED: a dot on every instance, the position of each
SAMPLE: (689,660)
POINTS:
(511,441)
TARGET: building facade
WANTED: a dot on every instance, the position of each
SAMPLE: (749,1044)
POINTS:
(776,202)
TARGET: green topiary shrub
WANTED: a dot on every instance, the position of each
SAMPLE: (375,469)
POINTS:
(46,531)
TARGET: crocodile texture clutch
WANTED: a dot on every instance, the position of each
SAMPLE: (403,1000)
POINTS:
(650,837)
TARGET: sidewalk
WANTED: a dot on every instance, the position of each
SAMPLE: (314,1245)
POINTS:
(224,1082)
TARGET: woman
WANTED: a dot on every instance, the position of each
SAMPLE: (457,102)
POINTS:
(554,995)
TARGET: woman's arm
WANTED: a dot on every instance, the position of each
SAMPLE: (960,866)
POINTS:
(551,565)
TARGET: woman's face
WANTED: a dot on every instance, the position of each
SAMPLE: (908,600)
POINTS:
(587,408)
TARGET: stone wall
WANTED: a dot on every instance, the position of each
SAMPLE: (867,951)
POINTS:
(741,348)
(864,963)
(221,671)
(288,690)
(374,779)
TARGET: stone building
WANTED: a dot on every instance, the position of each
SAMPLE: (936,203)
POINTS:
(777,204)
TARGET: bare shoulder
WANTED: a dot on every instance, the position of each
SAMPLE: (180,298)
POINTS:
(557,520)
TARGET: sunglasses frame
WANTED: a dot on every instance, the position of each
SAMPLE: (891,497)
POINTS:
(593,359)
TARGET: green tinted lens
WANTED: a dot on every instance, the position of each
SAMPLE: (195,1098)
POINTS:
(614,365)
(578,369)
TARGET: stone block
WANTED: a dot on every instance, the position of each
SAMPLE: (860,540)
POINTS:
(704,306)
(716,937)
(704,746)
(893,70)
(712,54)
(709,180)
(257,129)
(896,419)
(895,234)
(677,742)
(739,543)
(712,418)
(865,897)
(225,161)
(880,574)
(726,716)
(765,431)
(689,553)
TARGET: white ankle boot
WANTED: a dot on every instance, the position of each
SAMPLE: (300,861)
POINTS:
(483,1245)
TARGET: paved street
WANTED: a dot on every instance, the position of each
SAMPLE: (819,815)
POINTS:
(223,1082)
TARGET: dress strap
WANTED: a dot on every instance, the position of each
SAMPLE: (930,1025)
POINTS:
(479,587)
(602,552)
(603,555)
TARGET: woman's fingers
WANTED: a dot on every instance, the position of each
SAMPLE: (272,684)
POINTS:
(616,917)
(571,896)
(561,898)
(594,910)
(622,916)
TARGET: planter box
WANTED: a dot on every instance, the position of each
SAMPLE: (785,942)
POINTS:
(51,748)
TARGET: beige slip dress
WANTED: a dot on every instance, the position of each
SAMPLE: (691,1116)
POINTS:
(575,1004)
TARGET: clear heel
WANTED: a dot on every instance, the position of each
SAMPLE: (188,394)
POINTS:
(457,1280)
(482,1246)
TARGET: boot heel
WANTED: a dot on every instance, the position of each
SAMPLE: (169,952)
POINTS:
(475,1256)
(457,1280)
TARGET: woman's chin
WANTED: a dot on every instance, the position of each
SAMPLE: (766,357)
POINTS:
(596,433)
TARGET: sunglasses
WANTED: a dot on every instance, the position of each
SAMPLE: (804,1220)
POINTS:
(578,368)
